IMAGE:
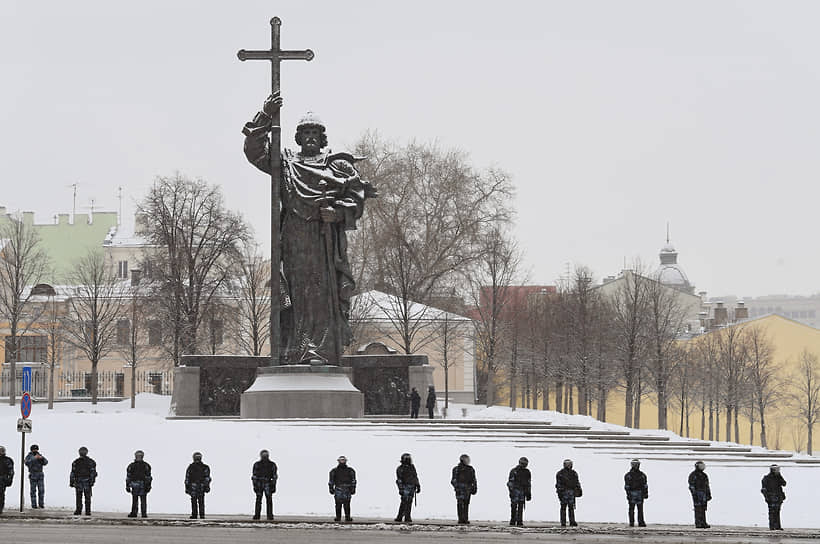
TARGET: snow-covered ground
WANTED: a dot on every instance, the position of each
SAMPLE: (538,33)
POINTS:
(305,453)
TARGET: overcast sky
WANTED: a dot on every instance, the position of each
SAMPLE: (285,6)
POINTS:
(612,117)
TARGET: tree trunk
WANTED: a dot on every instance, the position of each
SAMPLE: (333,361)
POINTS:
(729,423)
(94,381)
(636,410)
(628,401)
(809,439)
(51,386)
(133,386)
(559,396)
(702,420)
(763,441)
(490,388)
(717,425)
(737,426)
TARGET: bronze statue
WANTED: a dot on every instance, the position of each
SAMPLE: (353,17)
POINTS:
(322,197)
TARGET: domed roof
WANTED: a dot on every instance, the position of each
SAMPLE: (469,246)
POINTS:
(673,275)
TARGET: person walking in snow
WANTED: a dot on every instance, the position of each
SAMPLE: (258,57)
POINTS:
(35,461)
(263,477)
(568,488)
(342,485)
(415,403)
(197,484)
(465,485)
(772,488)
(82,478)
(701,494)
(6,475)
(637,490)
(519,485)
(407,480)
(138,483)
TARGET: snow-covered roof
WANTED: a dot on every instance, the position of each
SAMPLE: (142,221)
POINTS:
(377,306)
(123,236)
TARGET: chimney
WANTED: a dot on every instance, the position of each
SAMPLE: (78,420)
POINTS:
(741,311)
(721,314)
(135,277)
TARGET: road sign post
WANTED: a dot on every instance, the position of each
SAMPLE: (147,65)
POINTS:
(24,425)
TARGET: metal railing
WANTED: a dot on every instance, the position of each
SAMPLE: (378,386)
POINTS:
(77,384)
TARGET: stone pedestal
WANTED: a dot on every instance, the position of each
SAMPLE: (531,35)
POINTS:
(185,400)
(421,377)
(302,391)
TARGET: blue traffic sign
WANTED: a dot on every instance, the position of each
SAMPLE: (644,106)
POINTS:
(25,405)
(26,385)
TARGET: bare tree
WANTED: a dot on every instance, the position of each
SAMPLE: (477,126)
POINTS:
(253,308)
(665,323)
(806,397)
(629,307)
(427,227)
(22,265)
(491,280)
(95,305)
(452,334)
(195,245)
(763,372)
(732,343)
(131,346)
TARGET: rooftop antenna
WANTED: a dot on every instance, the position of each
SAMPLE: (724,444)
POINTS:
(667,232)
(119,197)
(74,200)
(93,201)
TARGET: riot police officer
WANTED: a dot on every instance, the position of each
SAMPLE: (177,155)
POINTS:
(263,477)
(568,488)
(342,485)
(197,484)
(637,490)
(519,484)
(772,488)
(465,485)
(138,482)
(6,475)
(82,478)
(407,480)
(35,461)
(701,494)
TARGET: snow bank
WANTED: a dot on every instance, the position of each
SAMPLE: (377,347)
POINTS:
(305,453)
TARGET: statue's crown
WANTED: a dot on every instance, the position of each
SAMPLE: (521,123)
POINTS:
(310,119)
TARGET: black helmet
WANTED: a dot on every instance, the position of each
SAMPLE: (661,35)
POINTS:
(524,462)
(464,458)
(342,460)
(83,451)
(406,459)
(635,463)
(139,455)
(264,454)
(700,465)
(567,463)
(197,456)
(34,447)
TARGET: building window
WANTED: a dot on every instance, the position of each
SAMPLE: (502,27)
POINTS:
(123,332)
(122,270)
(154,333)
(31,349)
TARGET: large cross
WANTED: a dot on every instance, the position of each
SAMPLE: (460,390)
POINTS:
(275,55)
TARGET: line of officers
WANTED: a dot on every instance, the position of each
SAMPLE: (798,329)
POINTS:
(342,485)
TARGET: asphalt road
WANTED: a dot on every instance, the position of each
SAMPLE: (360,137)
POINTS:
(90,532)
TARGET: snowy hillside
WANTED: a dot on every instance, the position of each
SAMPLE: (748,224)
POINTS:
(306,451)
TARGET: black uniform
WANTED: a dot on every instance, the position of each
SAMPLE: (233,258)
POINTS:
(465,485)
(701,495)
(138,482)
(415,404)
(636,491)
(568,488)
(197,483)
(431,402)
(6,478)
(772,489)
(407,481)
(82,478)
(264,478)
(342,485)
(520,486)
